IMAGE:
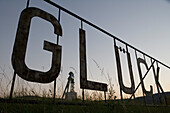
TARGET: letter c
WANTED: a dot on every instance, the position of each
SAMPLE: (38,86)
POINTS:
(139,61)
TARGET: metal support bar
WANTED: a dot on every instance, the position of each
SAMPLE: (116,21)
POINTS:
(136,54)
(28,2)
(121,95)
(102,30)
(105,96)
(54,91)
(12,86)
(83,95)
(82,89)
(81,25)
(57,44)
(59,22)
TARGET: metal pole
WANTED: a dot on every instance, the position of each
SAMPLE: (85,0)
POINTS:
(57,44)
(59,22)
(83,95)
(54,91)
(120,87)
(12,86)
(81,25)
(128,52)
(28,2)
(105,96)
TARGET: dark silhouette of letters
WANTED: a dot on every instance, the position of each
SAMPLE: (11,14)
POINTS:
(139,61)
(84,83)
(128,90)
(19,50)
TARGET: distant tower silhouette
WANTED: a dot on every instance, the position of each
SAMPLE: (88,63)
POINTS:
(72,94)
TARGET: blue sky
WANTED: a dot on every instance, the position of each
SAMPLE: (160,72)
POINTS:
(144,24)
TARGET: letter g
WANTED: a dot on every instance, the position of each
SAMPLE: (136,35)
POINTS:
(19,49)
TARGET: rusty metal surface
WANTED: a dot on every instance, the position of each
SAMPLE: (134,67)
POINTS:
(19,49)
(142,61)
(84,83)
(128,90)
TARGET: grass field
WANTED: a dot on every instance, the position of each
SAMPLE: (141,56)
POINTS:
(88,107)
(93,103)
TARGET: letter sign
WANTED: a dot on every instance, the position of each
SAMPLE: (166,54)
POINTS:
(19,49)
(139,60)
(84,83)
(128,90)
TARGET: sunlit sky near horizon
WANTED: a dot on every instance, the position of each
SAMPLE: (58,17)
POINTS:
(145,24)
